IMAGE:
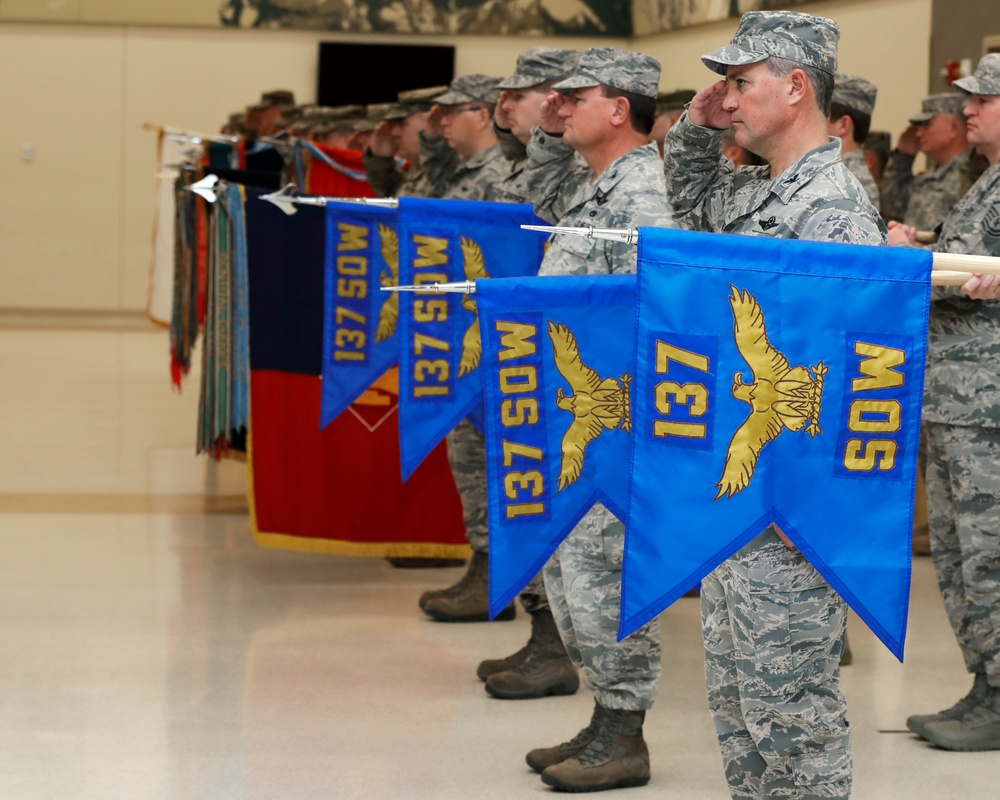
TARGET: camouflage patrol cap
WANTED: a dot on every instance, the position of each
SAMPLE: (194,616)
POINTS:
(674,101)
(803,38)
(374,114)
(879,141)
(946,103)
(986,78)
(620,69)
(475,88)
(278,97)
(414,101)
(331,119)
(855,93)
(541,64)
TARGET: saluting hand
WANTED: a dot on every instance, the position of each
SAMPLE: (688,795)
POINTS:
(908,143)
(550,121)
(706,108)
(381,142)
(432,124)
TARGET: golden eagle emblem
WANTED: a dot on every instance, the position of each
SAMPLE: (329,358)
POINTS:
(475,269)
(596,405)
(389,312)
(780,396)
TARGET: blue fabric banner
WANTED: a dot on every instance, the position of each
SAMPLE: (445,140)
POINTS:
(360,341)
(446,241)
(557,363)
(776,381)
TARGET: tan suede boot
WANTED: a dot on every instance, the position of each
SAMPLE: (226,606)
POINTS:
(918,722)
(544,757)
(541,668)
(469,602)
(616,758)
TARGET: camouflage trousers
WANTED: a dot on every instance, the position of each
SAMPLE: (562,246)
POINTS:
(963,499)
(583,579)
(774,632)
(467,457)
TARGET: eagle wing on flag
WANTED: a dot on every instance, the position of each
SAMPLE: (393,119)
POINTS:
(475,269)
(751,337)
(583,381)
(389,312)
(764,423)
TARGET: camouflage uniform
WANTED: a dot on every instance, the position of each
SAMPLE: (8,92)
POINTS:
(854,160)
(924,200)
(858,95)
(583,577)
(773,627)
(535,66)
(962,425)
(383,175)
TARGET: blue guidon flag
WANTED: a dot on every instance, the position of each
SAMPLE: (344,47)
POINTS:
(557,363)
(359,322)
(776,381)
(448,241)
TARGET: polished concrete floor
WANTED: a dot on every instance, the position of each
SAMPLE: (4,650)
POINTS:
(148,649)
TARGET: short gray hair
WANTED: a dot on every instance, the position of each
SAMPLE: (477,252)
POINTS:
(822,82)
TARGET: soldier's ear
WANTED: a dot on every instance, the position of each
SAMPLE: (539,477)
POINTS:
(798,85)
(620,114)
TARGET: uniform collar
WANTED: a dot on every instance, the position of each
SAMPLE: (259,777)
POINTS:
(619,168)
(805,169)
(484,157)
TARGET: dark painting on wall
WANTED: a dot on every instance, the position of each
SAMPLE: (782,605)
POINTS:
(488,17)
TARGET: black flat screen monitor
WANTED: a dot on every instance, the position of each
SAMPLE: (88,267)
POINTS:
(376,73)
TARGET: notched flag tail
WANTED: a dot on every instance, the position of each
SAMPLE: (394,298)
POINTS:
(776,381)
(360,340)
(557,357)
(446,241)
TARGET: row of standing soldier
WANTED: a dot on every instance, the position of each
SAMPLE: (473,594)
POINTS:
(576,135)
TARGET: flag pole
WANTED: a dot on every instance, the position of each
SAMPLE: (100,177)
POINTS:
(286,200)
(948,264)
(462,287)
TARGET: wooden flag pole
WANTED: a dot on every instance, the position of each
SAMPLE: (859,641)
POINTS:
(949,263)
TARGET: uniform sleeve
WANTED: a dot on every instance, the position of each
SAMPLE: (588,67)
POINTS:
(553,175)
(513,149)
(696,174)
(897,180)
(844,224)
(382,174)
(440,162)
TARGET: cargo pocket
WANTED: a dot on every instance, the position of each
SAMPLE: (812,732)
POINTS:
(826,766)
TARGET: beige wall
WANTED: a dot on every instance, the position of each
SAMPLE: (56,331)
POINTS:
(76,219)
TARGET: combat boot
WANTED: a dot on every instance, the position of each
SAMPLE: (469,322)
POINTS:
(617,757)
(540,625)
(470,602)
(542,667)
(977,729)
(980,688)
(432,593)
(544,757)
